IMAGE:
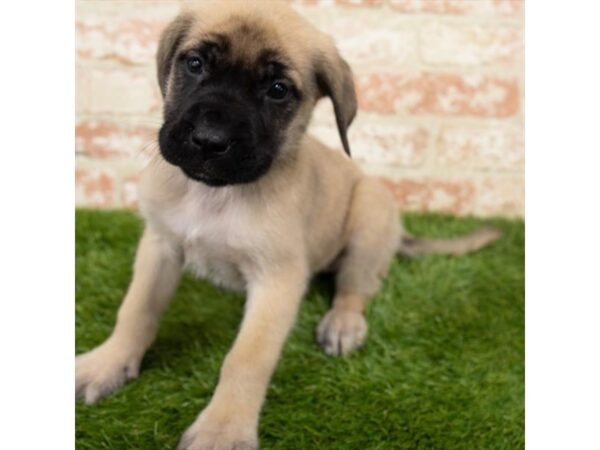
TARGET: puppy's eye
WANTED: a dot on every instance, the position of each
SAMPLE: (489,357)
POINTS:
(194,65)
(278,91)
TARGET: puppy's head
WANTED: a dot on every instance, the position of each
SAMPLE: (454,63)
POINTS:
(240,80)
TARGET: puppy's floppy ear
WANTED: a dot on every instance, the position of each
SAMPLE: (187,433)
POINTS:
(170,39)
(334,79)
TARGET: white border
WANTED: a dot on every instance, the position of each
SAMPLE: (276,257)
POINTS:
(37,225)
(563,225)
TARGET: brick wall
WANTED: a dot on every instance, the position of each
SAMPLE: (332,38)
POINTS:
(440,87)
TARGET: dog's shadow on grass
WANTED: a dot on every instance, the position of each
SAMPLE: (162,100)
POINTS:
(202,321)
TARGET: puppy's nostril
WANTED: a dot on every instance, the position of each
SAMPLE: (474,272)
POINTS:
(218,148)
(215,147)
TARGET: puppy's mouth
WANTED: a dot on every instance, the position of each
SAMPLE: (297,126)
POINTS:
(202,176)
(222,170)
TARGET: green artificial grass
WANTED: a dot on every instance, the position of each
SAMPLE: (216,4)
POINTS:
(443,366)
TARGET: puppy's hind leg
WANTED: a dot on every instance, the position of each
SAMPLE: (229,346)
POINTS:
(373,232)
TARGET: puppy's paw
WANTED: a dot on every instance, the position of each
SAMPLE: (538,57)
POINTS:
(341,331)
(213,431)
(103,370)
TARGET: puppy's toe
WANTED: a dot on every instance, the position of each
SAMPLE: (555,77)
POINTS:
(102,371)
(341,331)
(201,437)
(209,445)
(214,432)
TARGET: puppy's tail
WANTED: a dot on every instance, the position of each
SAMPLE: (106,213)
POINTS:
(411,246)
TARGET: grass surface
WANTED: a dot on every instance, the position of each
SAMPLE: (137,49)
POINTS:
(443,367)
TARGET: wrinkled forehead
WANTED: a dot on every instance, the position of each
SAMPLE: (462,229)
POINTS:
(252,42)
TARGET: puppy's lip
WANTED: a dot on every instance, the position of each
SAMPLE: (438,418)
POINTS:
(198,175)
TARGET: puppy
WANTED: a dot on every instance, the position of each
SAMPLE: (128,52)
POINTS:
(239,194)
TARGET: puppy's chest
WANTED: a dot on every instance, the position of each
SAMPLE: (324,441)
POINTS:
(216,236)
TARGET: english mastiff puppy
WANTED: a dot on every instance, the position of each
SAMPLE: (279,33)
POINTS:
(241,195)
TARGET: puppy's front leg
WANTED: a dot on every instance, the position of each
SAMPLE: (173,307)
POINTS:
(157,270)
(230,421)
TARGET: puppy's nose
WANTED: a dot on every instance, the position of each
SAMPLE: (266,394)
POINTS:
(212,142)
(214,117)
